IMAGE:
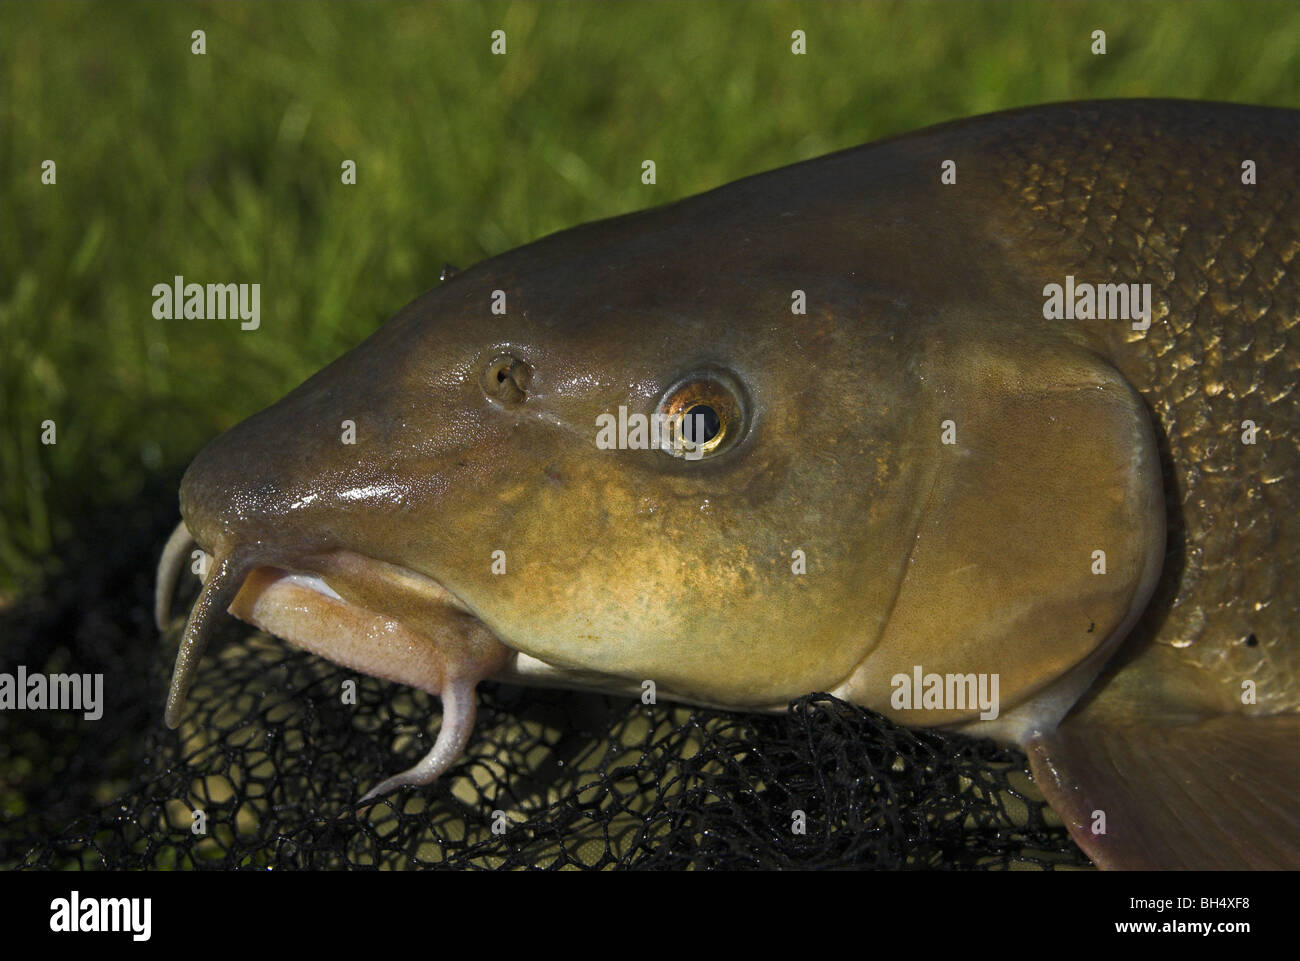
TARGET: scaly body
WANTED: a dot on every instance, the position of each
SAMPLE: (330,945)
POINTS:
(921,471)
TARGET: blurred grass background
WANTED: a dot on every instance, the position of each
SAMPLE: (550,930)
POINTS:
(226,168)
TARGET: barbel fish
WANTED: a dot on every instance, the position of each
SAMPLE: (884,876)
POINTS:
(1008,399)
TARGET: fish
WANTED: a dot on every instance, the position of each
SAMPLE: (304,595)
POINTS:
(989,427)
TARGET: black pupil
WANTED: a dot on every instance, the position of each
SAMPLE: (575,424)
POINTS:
(701,424)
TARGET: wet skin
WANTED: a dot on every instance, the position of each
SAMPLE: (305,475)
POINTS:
(476,433)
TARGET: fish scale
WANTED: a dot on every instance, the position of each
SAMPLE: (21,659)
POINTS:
(1152,193)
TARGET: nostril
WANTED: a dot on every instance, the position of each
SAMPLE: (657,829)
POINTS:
(506,379)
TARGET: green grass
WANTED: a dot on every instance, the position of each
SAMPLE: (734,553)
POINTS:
(225,167)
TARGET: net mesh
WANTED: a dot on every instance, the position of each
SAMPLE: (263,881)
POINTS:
(274,757)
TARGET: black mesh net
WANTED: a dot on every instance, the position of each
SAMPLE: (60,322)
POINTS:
(275,761)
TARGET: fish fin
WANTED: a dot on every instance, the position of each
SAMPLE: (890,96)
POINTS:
(1213,793)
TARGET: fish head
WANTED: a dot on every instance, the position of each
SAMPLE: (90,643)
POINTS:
(536,470)
(874,480)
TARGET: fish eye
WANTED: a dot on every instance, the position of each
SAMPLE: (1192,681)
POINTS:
(506,379)
(701,415)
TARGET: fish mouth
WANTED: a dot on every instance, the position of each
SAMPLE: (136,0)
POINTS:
(368,615)
(363,613)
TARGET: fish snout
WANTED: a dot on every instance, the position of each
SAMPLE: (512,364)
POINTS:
(258,478)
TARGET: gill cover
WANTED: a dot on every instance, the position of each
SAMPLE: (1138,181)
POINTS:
(1040,539)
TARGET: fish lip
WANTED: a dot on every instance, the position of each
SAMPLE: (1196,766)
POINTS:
(319,561)
(321,565)
(313,571)
(232,564)
(338,569)
(312,579)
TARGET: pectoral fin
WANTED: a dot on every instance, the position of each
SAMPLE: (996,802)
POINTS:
(1215,793)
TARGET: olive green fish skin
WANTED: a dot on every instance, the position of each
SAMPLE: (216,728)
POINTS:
(1152,192)
(925,473)
(476,534)
(633,564)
